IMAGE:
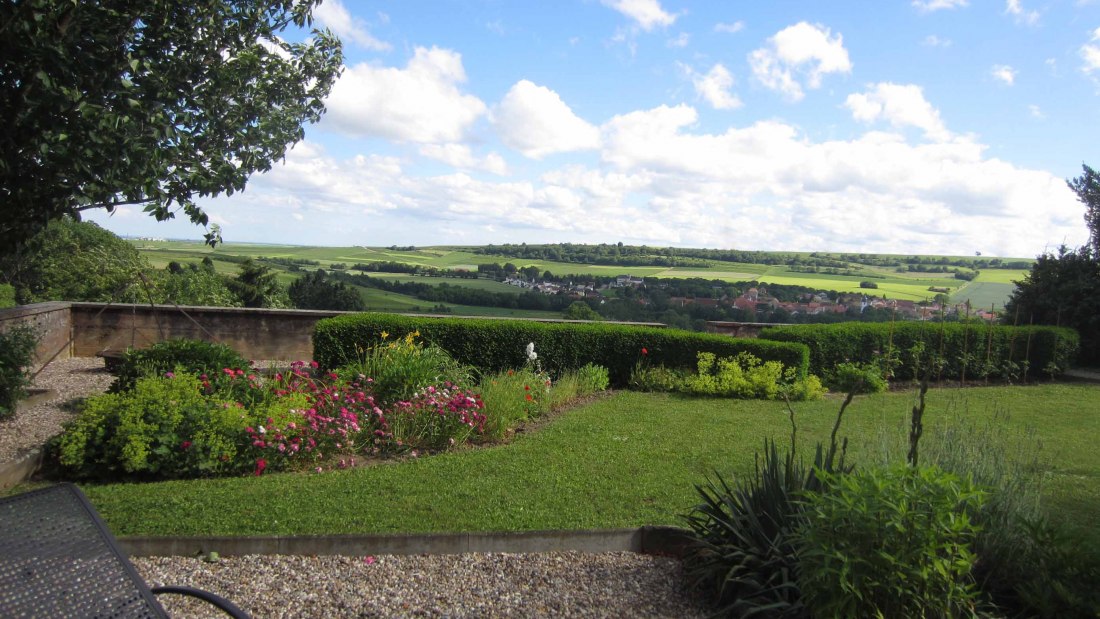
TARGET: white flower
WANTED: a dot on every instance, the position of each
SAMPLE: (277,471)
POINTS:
(531,355)
(262,430)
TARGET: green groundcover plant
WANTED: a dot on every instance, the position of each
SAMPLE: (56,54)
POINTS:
(740,376)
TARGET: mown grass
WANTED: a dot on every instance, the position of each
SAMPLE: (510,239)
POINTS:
(628,460)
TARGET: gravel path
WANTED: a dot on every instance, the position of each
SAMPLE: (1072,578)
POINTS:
(565,584)
(34,425)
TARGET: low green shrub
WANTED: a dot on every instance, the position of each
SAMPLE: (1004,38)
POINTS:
(495,345)
(7,296)
(17,348)
(399,368)
(162,428)
(195,356)
(857,378)
(962,350)
(893,542)
(657,378)
(740,376)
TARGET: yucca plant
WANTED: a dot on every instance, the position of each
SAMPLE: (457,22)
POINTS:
(741,552)
(741,555)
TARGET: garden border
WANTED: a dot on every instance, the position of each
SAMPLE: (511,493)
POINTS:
(650,540)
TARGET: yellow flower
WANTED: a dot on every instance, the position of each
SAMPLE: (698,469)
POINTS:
(385,335)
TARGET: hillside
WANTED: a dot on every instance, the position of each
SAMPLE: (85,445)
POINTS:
(901,277)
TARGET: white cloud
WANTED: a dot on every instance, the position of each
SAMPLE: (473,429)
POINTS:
(802,50)
(1022,16)
(901,105)
(731,28)
(333,14)
(681,40)
(714,87)
(935,41)
(462,156)
(664,181)
(768,185)
(936,5)
(535,121)
(1036,112)
(1090,53)
(1004,74)
(420,103)
(647,13)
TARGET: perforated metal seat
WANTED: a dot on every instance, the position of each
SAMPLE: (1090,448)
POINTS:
(58,559)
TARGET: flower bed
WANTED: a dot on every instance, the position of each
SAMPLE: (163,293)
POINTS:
(186,424)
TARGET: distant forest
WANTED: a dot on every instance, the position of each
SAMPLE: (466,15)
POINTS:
(643,255)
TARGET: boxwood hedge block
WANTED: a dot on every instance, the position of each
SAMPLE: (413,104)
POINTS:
(494,345)
(979,349)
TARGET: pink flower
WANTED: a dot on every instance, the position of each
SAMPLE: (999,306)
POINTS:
(369,559)
(261,464)
(169,375)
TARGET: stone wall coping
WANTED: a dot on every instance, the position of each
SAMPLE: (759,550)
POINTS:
(658,540)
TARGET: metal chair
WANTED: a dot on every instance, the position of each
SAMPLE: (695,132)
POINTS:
(58,559)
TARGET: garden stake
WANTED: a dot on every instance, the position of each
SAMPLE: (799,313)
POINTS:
(1027,348)
(966,341)
(989,345)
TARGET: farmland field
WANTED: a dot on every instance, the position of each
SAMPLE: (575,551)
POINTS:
(477,284)
(991,287)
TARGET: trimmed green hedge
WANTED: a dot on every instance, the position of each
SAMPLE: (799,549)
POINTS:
(495,345)
(989,348)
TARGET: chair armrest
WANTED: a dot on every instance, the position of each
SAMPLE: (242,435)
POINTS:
(223,604)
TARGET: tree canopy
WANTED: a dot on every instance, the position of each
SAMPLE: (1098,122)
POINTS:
(315,291)
(1087,188)
(72,261)
(149,102)
(257,286)
(1064,288)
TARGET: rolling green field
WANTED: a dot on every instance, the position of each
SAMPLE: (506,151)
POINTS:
(992,287)
(489,285)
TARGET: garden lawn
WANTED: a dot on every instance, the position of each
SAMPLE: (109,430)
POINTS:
(627,460)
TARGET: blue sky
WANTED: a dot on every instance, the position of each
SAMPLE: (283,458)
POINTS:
(894,126)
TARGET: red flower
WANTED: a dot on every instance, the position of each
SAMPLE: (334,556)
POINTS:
(261,464)
(529,397)
(527,387)
(644,352)
(185,445)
